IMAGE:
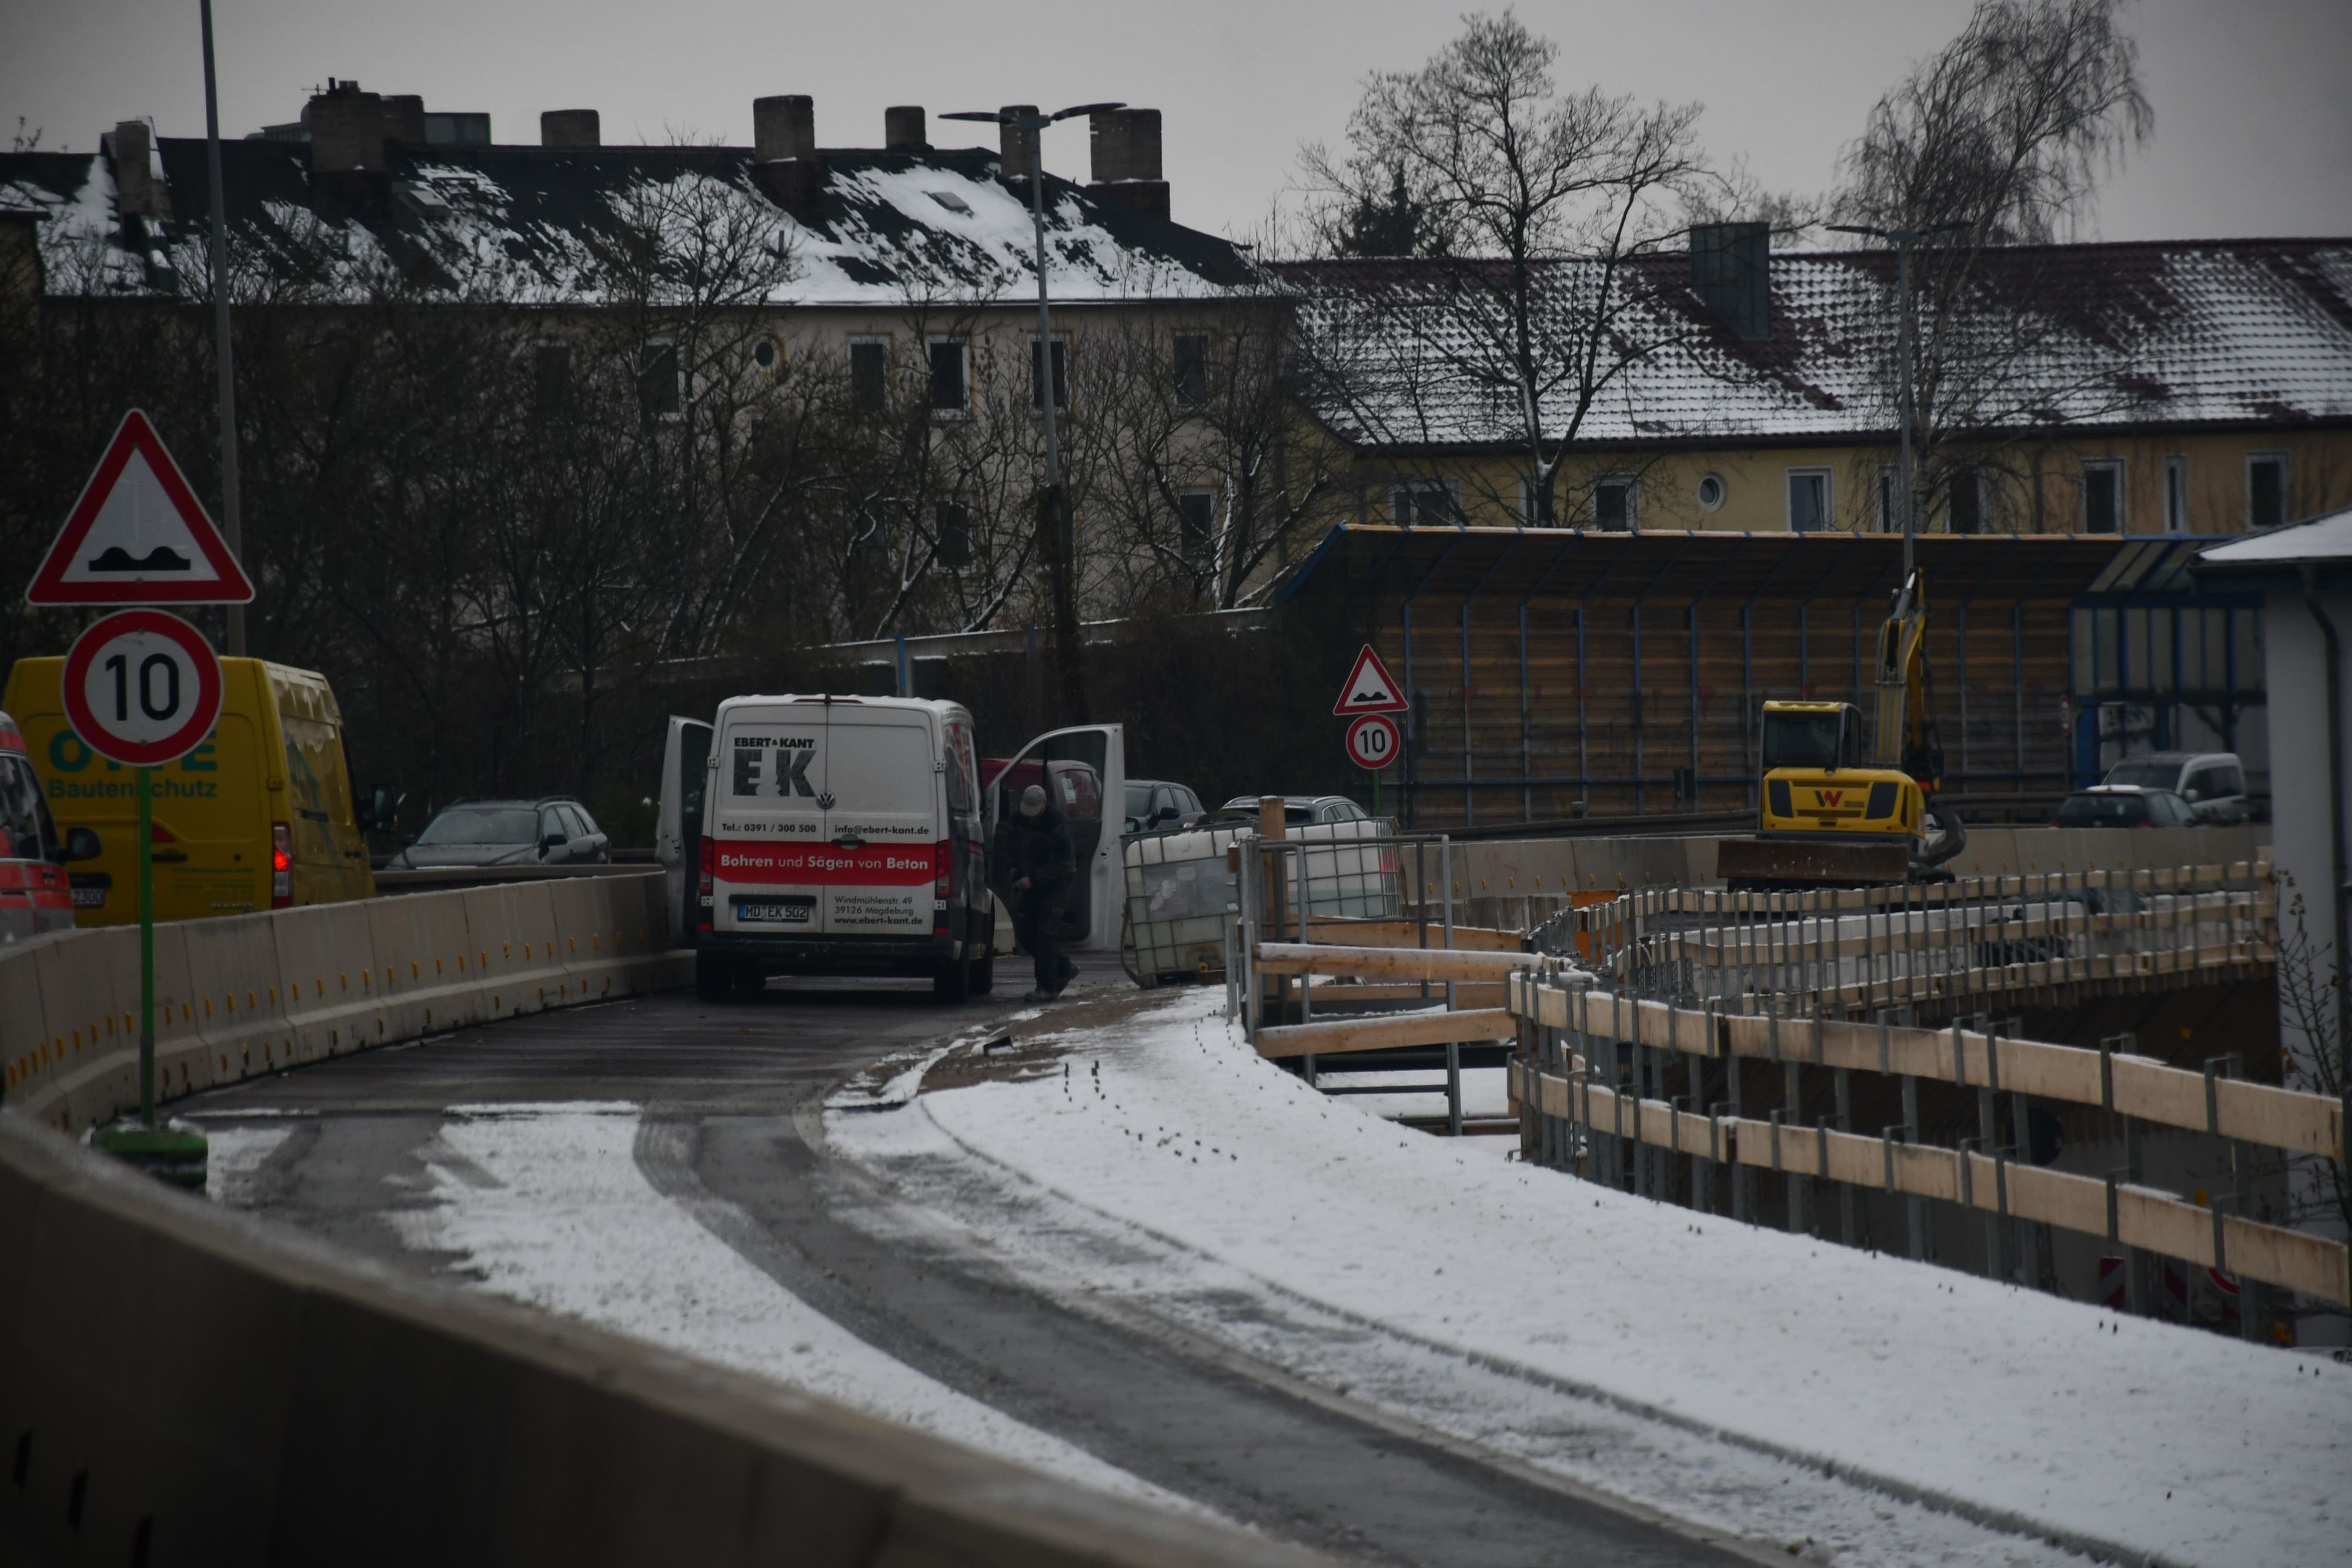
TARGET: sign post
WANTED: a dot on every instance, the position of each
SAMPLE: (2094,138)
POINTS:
(142,687)
(1367,698)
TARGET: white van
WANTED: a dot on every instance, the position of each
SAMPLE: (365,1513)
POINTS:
(840,835)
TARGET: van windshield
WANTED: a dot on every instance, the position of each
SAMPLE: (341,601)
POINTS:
(482,825)
(2147,775)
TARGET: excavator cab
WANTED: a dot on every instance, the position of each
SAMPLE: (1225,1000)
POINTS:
(1815,781)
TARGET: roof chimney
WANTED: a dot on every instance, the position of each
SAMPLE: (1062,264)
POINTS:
(785,126)
(570,127)
(347,129)
(1731,273)
(404,118)
(902,129)
(1125,145)
(138,188)
(1016,148)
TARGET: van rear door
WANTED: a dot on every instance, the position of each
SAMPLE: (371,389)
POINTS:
(765,825)
(1085,770)
(677,829)
(884,797)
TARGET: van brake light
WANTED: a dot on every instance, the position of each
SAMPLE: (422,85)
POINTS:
(943,886)
(281,865)
(707,885)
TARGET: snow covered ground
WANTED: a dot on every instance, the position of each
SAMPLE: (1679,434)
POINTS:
(547,1205)
(1798,1393)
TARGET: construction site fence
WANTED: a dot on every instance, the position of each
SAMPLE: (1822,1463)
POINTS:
(1587,1050)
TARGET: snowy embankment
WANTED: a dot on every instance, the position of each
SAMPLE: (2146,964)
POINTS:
(546,1204)
(1514,1287)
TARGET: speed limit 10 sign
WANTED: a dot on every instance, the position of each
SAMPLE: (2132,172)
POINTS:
(141,687)
(1372,741)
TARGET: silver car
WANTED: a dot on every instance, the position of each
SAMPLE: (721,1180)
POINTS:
(553,830)
(2212,782)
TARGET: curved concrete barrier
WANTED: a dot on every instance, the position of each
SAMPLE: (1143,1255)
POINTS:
(246,994)
(185,1385)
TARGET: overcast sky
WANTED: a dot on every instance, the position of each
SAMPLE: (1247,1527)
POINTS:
(2253,114)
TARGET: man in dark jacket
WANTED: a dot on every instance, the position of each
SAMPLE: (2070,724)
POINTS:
(1038,866)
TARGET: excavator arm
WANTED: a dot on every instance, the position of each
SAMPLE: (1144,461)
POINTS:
(1905,736)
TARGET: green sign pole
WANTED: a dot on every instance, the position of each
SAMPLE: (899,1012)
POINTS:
(147,946)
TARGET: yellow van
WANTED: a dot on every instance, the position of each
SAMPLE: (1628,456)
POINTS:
(257,817)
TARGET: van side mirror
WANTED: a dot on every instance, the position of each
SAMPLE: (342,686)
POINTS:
(81,845)
(382,810)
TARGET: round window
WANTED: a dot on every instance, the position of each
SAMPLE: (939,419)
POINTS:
(1710,492)
(767,353)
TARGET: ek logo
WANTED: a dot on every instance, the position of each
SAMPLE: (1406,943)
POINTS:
(793,772)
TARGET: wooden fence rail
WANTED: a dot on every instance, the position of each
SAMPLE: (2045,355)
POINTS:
(2129,1085)
(2127,1215)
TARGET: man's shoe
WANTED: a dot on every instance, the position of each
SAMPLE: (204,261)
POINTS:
(1036,996)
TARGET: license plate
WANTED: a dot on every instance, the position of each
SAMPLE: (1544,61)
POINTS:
(89,898)
(775,911)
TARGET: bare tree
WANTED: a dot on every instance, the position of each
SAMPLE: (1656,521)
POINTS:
(1537,206)
(1995,143)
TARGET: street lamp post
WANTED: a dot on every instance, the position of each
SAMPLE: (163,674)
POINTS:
(224,359)
(1903,240)
(1056,519)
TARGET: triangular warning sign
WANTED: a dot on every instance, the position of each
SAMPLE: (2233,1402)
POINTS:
(139,536)
(1369,688)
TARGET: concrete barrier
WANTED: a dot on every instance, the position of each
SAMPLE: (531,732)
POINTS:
(186,1384)
(247,994)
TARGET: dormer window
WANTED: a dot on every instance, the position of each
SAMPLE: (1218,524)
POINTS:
(950,201)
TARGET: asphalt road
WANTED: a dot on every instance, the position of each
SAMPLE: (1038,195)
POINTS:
(720,1086)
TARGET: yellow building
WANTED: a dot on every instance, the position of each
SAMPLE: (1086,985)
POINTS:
(2198,387)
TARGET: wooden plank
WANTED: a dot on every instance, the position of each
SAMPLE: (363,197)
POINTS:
(1388,963)
(1341,929)
(1466,993)
(1326,1036)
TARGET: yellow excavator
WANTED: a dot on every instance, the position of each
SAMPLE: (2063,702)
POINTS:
(1825,817)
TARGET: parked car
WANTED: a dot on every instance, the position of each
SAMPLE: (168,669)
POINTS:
(2212,782)
(1298,811)
(555,829)
(1155,803)
(2124,806)
(35,895)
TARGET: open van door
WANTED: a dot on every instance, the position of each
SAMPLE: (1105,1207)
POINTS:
(677,831)
(1085,770)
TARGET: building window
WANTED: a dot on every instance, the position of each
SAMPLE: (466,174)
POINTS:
(2103,497)
(2265,489)
(1426,503)
(1535,507)
(550,380)
(1061,371)
(1712,492)
(1191,368)
(951,386)
(1890,498)
(1809,500)
(1616,504)
(1196,525)
(951,533)
(2176,495)
(768,355)
(1965,507)
(659,391)
(869,374)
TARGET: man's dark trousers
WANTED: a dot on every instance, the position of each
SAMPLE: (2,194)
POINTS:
(1037,921)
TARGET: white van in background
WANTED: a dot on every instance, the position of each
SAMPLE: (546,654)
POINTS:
(841,835)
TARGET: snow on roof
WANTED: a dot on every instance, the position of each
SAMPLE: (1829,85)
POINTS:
(2104,335)
(526,224)
(2325,539)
